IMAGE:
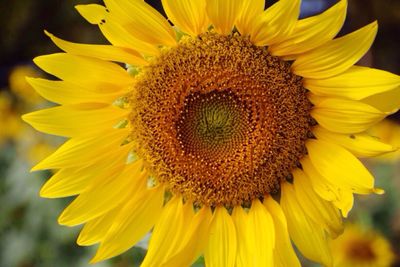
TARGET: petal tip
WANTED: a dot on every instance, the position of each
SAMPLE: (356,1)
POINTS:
(378,191)
(64,219)
(37,167)
(45,191)
(99,256)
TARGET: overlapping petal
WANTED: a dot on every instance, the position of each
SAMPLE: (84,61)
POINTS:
(189,16)
(223,14)
(356,83)
(276,23)
(105,52)
(284,255)
(345,116)
(309,237)
(75,180)
(336,56)
(84,150)
(339,165)
(95,230)
(222,244)
(63,92)
(142,21)
(134,220)
(168,232)
(83,69)
(319,210)
(312,32)
(105,193)
(388,102)
(255,236)
(361,145)
(75,120)
(113,31)
(194,240)
(250,11)
(327,189)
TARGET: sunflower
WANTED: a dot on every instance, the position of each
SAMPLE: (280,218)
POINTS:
(232,133)
(362,247)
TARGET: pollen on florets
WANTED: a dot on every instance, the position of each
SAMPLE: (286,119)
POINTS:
(219,120)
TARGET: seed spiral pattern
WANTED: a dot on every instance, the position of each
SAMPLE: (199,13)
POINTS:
(219,120)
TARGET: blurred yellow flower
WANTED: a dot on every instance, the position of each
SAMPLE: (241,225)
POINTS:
(359,247)
(15,100)
(10,121)
(20,87)
(39,150)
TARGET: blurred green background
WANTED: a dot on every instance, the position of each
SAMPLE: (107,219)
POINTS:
(29,233)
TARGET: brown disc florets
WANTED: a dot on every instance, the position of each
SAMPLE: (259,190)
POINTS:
(219,120)
(361,250)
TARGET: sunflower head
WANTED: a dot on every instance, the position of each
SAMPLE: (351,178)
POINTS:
(223,121)
(237,128)
(362,247)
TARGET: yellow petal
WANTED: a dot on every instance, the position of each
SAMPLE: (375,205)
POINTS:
(189,16)
(76,120)
(284,255)
(312,32)
(355,83)
(113,31)
(63,92)
(255,236)
(75,180)
(388,102)
(250,10)
(83,69)
(221,248)
(345,116)
(119,36)
(93,13)
(168,233)
(276,23)
(309,237)
(241,221)
(336,56)
(142,21)
(104,52)
(66,182)
(195,240)
(328,190)
(361,145)
(223,14)
(345,202)
(319,210)
(84,150)
(105,193)
(95,230)
(261,227)
(134,220)
(340,166)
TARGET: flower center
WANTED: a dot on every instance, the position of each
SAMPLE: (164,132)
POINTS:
(361,250)
(212,125)
(219,120)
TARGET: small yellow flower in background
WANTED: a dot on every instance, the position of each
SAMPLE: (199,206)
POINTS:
(20,87)
(389,132)
(10,121)
(230,140)
(14,101)
(361,247)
